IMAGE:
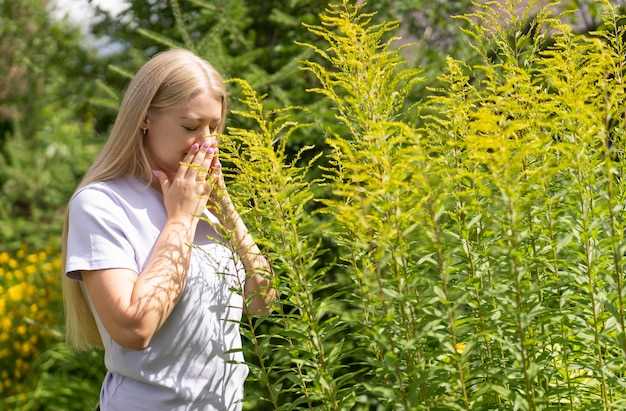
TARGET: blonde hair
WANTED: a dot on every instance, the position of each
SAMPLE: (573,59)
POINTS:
(167,79)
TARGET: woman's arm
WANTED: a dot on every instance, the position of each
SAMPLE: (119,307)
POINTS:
(159,286)
(259,271)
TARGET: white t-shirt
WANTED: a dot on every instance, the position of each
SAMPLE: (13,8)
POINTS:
(115,224)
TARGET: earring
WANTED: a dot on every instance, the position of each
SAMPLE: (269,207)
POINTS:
(144,130)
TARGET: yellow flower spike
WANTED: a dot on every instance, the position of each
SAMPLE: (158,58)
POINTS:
(4,258)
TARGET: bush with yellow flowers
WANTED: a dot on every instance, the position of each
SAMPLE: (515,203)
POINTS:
(30,302)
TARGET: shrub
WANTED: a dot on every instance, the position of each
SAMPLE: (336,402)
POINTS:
(29,313)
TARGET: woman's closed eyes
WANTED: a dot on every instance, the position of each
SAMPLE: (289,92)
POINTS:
(212,128)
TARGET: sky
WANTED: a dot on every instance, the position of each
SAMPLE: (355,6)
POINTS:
(81,14)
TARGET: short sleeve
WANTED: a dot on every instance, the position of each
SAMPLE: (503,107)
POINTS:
(96,237)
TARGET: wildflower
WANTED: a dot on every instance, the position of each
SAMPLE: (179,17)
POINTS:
(16,292)
(4,258)
(12,263)
(32,258)
(30,269)
(21,329)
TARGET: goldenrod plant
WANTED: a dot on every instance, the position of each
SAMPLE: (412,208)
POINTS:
(479,232)
(301,351)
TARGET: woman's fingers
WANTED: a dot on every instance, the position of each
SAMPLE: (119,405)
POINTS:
(196,170)
(206,164)
(183,166)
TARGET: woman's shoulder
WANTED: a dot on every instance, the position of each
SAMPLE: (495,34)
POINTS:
(101,194)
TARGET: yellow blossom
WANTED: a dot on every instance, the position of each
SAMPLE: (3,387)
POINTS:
(32,258)
(2,305)
(19,275)
(12,263)
(459,347)
(30,269)
(26,348)
(4,257)
(16,292)
(21,329)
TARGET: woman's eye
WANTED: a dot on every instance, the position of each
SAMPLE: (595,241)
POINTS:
(190,128)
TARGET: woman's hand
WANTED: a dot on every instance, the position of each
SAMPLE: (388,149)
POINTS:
(219,202)
(186,196)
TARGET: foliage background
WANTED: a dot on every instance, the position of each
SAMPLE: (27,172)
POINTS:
(539,319)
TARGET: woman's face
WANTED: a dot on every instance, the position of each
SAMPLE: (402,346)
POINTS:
(172,131)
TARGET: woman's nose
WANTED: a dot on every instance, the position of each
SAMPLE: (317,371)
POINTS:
(206,134)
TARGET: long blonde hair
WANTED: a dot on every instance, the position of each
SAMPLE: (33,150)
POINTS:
(167,79)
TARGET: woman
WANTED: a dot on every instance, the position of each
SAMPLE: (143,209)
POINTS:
(146,277)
